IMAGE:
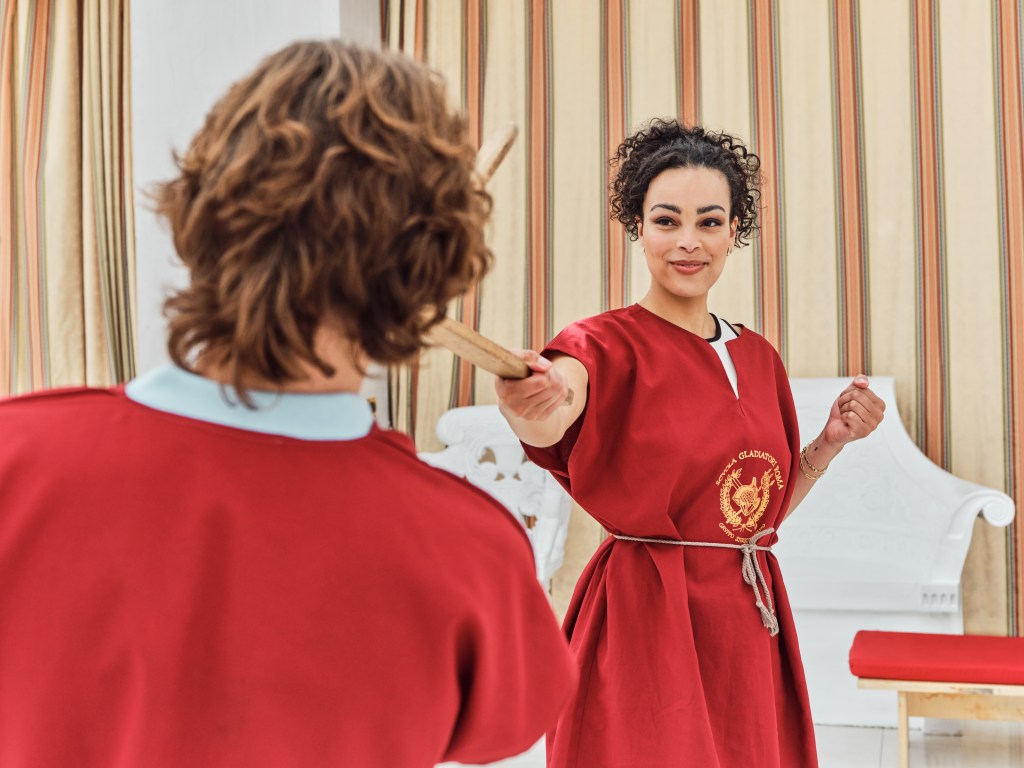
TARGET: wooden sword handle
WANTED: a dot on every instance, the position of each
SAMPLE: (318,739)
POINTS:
(481,351)
(478,349)
(493,151)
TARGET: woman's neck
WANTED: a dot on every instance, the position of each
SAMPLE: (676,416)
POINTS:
(689,314)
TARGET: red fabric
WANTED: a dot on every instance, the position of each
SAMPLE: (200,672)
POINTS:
(176,593)
(676,667)
(938,658)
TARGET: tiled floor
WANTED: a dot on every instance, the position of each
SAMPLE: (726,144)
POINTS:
(982,745)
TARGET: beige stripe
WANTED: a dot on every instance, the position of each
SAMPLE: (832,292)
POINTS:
(810,212)
(503,292)
(973,309)
(70,345)
(725,105)
(578,200)
(652,51)
(435,379)
(889,196)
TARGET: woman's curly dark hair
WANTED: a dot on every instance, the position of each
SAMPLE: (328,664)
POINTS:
(332,184)
(665,144)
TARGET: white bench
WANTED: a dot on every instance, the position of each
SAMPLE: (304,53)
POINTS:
(879,544)
(482,448)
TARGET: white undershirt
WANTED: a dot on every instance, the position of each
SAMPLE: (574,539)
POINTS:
(723,333)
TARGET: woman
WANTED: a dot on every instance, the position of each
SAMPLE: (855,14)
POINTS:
(682,442)
(226,563)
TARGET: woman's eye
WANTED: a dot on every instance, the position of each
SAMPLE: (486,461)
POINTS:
(664,221)
(711,223)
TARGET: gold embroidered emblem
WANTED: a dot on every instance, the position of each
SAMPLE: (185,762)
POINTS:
(750,500)
(744,503)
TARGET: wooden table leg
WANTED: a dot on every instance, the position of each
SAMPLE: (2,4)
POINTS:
(904,731)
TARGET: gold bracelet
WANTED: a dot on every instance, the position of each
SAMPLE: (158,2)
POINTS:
(803,472)
(815,473)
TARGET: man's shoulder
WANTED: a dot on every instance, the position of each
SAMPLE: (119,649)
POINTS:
(461,497)
(55,403)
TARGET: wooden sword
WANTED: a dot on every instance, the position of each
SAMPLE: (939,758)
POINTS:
(459,338)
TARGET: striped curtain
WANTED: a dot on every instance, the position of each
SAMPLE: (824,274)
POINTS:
(892,234)
(67,279)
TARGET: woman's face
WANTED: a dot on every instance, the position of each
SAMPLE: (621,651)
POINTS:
(686,232)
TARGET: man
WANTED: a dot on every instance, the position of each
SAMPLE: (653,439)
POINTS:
(226,563)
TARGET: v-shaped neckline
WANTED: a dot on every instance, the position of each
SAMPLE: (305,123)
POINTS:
(708,344)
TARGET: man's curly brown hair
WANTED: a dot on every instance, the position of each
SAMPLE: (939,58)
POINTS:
(332,184)
(665,144)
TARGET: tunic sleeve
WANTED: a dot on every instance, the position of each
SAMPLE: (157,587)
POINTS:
(789,419)
(514,667)
(576,341)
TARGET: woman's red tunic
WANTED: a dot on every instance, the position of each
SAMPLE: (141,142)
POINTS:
(676,666)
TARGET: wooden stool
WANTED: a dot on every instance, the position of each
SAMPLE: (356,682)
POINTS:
(928,673)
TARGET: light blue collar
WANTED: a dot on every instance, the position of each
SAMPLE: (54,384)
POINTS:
(329,416)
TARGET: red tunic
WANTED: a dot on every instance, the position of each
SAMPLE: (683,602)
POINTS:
(177,593)
(676,666)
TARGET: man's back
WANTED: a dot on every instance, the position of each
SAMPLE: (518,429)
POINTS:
(177,592)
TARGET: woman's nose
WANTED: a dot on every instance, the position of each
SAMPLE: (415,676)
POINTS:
(687,240)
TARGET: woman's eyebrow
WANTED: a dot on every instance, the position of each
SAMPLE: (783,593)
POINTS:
(677,209)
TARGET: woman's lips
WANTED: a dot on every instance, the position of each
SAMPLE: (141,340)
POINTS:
(688,267)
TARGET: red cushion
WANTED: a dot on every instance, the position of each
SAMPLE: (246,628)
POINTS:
(942,658)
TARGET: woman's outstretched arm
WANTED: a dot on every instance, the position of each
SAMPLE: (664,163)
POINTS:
(536,407)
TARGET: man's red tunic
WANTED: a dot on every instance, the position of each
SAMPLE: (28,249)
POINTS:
(178,593)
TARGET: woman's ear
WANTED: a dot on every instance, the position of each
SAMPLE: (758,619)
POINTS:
(733,226)
(639,227)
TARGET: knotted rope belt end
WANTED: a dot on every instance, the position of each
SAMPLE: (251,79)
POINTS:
(752,574)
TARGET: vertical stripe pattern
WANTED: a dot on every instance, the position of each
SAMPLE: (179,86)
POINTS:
(473,41)
(613,246)
(850,197)
(67,278)
(32,150)
(420,30)
(931,258)
(688,47)
(878,243)
(24,346)
(1010,116)
(770,278)
(8,242)
(538,316)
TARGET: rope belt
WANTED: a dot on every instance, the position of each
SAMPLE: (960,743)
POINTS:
(751,569)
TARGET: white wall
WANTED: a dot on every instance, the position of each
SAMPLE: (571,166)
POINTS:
(184,56)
